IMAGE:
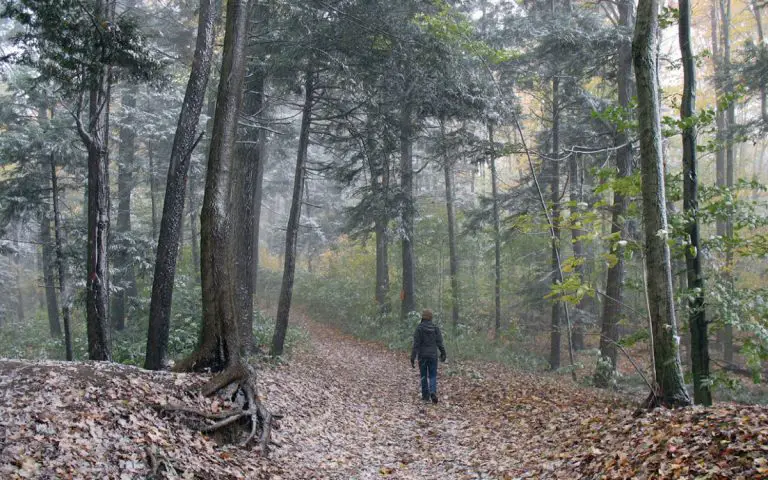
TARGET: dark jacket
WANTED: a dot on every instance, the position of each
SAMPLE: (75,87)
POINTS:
(427,340)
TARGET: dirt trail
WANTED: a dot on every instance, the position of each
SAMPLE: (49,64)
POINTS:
(353,411)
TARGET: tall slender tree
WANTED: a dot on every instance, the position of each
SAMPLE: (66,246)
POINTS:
(408,292)
(173,207)
(219,344)
(450,207)
(125,276)
(292,230)
(554,182)
(496,232)
(697,319)
(614,288)
(669,376)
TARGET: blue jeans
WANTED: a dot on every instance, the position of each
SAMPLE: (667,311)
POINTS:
(428,369)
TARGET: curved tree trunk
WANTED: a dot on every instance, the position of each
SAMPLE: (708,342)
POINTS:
(292,231)
(669,376)
(173,207)
(219,344)
(697,320)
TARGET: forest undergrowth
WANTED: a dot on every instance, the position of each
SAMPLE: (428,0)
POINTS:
(352,410)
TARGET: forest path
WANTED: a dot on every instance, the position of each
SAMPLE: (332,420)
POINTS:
(353,411)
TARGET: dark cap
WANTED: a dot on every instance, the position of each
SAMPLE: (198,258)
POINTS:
(426,314)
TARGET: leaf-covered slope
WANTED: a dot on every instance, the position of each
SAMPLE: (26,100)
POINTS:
(96,420)
(352,410)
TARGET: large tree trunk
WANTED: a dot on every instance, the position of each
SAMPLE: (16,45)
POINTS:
(173,207)
(698,322)
(408,293)
(242,203)
(219,344)
(496,234)
(452,249)
(554,346)
(125,277)
(292,230)
(614,288)
(669,376)
(60,261)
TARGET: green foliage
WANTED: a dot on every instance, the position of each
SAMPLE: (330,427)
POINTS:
(638,336)
(69,41)
(452,27)
(669,16)
(571,289)
(622,117)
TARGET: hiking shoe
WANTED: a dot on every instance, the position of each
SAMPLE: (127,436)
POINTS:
(434,397)
(424,398)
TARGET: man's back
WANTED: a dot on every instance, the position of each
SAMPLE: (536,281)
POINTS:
(427,340)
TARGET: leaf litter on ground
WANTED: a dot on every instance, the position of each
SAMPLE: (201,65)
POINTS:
(352,410)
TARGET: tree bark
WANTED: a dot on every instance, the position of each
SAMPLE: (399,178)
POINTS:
(242,204)
(152,189)
(61,262)
(761,44)
(576,198)
(52,304)
(219,344)
(697,319)
(378,165)
(730,124)
(452,249)
(96,139)
(554,346)
(669,376)
(258,195)
(173,207)
(408,293)
(614,289)
(292,230)
(496,234)
(125,277)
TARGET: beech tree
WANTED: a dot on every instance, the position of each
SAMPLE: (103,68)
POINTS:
(666,353)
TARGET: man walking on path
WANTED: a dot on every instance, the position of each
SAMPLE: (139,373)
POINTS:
(427,340)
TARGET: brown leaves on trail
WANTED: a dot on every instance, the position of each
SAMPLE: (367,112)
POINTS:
(96,420)
(723,442)
(352,410)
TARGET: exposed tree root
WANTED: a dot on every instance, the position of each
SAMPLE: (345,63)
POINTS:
(250,419)
(160,467)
